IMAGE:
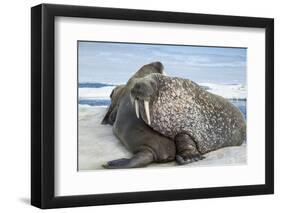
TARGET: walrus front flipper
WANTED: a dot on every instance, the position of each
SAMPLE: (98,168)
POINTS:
(187,151)
(140,159)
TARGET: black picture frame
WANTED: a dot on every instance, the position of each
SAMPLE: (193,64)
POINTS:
(43,102)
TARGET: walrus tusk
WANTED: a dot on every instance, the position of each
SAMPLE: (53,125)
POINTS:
(137,108)
(146,108)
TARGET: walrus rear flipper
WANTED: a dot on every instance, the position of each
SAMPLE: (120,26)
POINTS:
(187,151)
(140,159)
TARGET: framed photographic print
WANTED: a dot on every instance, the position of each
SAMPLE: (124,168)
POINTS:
(140,106)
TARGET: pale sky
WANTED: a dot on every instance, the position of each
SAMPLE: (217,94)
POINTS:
(106,62)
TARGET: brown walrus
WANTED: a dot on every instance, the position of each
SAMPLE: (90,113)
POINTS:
(197,120)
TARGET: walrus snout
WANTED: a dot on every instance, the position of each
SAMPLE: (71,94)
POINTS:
(143,90)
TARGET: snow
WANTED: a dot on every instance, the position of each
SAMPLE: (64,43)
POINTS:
(95,93)
(97,145)
(229,91)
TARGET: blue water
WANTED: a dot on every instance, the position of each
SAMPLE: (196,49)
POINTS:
(94,85)
(95,102)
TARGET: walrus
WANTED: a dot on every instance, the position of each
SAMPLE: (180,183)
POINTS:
(147,145)
(195,119)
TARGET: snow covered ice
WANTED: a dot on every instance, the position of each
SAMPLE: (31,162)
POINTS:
(97,143)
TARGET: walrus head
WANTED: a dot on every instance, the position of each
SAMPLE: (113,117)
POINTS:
(119,91)
(142,92)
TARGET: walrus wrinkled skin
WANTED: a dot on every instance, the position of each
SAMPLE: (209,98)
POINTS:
(146,144)
(197,120)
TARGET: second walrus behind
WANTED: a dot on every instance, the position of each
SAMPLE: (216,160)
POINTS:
(147,145)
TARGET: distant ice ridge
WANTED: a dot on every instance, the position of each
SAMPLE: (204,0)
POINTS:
(95,93)
(229,91)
